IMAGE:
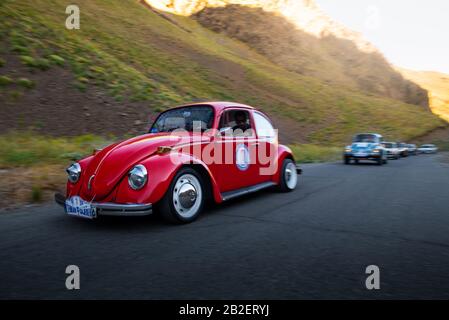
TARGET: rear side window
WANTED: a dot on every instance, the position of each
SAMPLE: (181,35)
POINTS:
(264,127)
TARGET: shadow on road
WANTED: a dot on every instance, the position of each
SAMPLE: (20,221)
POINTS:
(155,222)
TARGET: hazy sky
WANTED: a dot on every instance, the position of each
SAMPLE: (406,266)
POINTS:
(410,33)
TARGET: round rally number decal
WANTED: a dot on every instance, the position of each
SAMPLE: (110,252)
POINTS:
(242,157)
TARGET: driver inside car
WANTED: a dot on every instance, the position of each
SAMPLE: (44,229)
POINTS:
(241,122)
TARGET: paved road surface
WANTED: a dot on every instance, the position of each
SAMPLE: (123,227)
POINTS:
(313,243)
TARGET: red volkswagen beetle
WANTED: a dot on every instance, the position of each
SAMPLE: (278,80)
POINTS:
(193,153)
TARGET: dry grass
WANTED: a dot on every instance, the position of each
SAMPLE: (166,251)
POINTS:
(32,166)
(309,153)
(19,186)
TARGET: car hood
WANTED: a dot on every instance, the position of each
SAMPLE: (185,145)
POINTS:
(109,165)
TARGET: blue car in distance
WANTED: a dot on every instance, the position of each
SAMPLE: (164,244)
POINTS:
(366,146)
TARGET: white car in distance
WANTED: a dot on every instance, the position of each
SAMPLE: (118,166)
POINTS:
(428,148)
(392,150)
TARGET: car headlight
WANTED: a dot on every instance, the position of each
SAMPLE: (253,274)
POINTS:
(74,172)
(137,177)
(348,150)
(376,150)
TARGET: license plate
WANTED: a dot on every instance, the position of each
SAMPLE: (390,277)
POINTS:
(76,206)
(360,154)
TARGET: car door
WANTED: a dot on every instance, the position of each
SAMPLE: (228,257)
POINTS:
(238,167)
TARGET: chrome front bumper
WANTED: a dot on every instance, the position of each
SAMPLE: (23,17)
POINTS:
(114,209)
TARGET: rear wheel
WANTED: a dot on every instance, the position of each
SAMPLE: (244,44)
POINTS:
(288,176)
(184,199)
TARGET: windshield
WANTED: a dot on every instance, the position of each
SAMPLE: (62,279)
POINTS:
(365,138)
(187,118)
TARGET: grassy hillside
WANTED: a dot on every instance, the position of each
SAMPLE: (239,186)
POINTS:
(128,62)
(437,84)
(149,60)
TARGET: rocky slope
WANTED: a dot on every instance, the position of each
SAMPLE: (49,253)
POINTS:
(297,35)
(437,84)
(305,14)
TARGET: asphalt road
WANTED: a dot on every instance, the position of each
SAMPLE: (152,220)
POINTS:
(313,243)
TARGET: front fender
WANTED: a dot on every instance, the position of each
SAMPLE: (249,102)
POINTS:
(74,188)
(161,171)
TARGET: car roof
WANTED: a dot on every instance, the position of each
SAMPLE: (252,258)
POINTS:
(217,105)
(368,133)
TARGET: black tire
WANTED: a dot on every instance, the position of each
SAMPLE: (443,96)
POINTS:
(385,161)
(356,161)
(166,206)
(287,164)
(347,160)
(380,161)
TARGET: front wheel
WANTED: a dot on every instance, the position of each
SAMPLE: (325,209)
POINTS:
(185,197)
(380,161)
(288,176)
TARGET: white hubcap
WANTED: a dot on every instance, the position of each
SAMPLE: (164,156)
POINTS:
(291,177)
(187,195)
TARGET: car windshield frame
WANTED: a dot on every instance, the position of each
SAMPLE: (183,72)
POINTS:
(183,109)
